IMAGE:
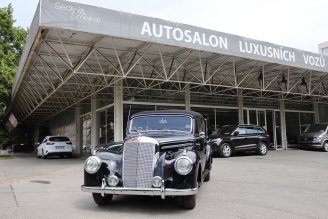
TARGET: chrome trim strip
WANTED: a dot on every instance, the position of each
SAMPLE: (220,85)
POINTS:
(163,190)
(140,191)
(177,146)
(103,185)
(246,145)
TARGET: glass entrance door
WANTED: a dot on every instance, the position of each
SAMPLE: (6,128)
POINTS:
(255,117)
(270,127)
(252,117)
(277,134)
(261,118)
(268,119)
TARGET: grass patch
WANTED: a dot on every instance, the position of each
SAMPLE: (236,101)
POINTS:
(5,157)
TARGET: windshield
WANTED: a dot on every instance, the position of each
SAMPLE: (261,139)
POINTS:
(161,123)
(225,130)
(58,139)
(316,128)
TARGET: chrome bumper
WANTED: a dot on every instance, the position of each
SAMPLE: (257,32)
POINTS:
(140,191)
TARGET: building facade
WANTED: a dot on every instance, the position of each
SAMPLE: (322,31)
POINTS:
(83,74)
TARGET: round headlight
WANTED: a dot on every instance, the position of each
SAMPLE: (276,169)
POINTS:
(183,165)
(112,180)
(156,181)
(92,164)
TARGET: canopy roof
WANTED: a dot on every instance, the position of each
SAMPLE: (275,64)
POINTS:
(74,51)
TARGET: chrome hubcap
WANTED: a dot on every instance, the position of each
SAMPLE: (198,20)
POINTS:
(263,148)
(226,150)
(326,146)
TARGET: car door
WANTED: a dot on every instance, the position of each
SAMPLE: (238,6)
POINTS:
(238,138)
(252,137)
(41,146)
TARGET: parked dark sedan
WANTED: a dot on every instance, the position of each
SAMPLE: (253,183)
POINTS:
(232,138)
(164,154)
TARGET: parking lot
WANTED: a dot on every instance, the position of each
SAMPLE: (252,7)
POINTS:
(283,184)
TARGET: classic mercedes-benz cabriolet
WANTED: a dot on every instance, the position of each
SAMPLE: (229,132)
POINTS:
(164,154)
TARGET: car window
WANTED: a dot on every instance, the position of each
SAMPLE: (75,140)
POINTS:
(241,130)
(259,130)
(250,130)
(58,139)
(202,126)
(225,130)
(316,128)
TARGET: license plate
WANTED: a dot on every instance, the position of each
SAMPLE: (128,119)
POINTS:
(60,147)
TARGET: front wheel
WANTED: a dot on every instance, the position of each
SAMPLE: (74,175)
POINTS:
(43,156)
(262,149)
(325,146)
(207,177)
(188,202)
(225,150)
(102,200)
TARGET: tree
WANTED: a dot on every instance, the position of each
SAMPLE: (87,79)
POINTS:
(12,40)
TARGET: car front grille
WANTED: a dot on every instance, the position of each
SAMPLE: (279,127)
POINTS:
(138,162)
(307,138)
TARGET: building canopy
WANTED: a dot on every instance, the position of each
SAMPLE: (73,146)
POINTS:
(74,51)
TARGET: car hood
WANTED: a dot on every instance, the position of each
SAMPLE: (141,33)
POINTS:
(171,139)
(174,140)
(165,142)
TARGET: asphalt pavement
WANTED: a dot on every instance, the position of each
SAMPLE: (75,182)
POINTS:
(283,184)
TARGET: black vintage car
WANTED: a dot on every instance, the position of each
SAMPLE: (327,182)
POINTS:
(165,153)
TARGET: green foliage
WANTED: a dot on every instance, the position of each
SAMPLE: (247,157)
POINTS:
(12,40)
(5,157)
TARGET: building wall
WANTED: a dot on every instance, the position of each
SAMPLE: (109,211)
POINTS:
(323,112)
(323,48)
(64,125)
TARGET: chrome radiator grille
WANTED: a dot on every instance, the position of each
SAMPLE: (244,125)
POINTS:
(138,162)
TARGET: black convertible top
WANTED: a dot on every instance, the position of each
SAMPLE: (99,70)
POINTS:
(169,112)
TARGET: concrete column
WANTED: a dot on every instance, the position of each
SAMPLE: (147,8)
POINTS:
(78,131)
(36,138)
(316,112)
(283,125)
(187,97)
(118,111)
(95,121)
(240,110)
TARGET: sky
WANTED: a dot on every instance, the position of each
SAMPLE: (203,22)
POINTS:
(300,24)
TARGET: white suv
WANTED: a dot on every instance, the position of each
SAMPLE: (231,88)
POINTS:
(55,145)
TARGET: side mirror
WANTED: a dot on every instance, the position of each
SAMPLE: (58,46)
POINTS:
(202,134)
(236,133)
